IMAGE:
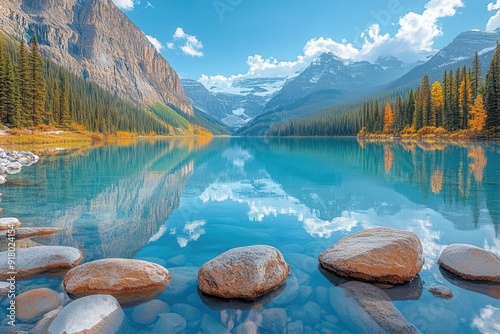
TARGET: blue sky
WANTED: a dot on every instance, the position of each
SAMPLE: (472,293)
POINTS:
(219,40)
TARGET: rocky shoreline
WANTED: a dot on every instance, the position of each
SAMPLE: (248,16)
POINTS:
(367,270)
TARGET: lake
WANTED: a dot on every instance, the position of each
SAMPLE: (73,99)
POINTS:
(181,202)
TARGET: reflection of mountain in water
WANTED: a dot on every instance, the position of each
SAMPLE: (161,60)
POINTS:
(111,200)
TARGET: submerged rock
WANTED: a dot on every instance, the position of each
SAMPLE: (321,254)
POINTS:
(129,281)
(379,254)
(90,315)
(245,272)
(7,222)
(171,323)
(29,232)
(147,313)
(34,303)
(441,291)
(471,263)
(35,260)
(368,309)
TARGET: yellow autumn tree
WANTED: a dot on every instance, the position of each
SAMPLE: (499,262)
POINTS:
(437,105)
(477,114)
(388,118)
(387,158)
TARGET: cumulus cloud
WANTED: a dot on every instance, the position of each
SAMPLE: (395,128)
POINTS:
(413,41)
(188,44)
(125,4)
(155,42)
(487,321)
(494,21)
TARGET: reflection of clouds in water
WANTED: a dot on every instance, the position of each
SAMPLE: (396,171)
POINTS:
(495,246)
(158,234)
(325,228)
(237,156)
(487,321)
(430,241)
(191,232)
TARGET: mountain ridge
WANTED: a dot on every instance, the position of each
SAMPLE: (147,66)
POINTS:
(86,37)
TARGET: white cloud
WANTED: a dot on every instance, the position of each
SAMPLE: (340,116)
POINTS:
(413,41)
(156,43)
(494,6)
(487,321)
(189,44)
(125,4)
(494,21)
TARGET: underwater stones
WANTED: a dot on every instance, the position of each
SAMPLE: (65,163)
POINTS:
(171,323)
(471,263)
(379,254)
(129,281)
(90,315)
(34,303)
(35,260)
(368,309)
(245,272)
(147,313)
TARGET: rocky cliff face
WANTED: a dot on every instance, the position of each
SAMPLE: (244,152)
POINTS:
(95,39)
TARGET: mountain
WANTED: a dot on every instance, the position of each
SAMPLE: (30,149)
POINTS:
(458,53)
(328,80)
(95,39)
(236,106)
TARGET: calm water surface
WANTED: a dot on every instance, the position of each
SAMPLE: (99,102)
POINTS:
(180,203)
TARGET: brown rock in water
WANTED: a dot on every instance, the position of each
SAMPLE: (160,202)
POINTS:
(87,38)
(441,291)
(471,262)
(29,232)
(129,281)
(245,272)
(34,303)
(35,260)
(368,309)
(379,254)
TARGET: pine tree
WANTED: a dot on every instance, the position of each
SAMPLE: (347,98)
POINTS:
(24,83)
(37,84)
(64,103)
(410,109)
(9,91)
(418,113)
(492,92)
(425,97)
(437,105)
(478,114)
(465,99)
(388,119)
(476,78)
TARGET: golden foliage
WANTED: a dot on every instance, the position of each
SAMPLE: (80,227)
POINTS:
(477,114)
(388,118)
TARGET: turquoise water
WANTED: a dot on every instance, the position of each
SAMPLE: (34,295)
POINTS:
(180,203)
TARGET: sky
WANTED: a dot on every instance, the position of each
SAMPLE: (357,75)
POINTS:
(219,41)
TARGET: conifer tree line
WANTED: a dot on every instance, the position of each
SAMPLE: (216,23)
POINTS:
(34,91)
(461,100)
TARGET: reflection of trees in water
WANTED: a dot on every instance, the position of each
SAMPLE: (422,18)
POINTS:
(453,172)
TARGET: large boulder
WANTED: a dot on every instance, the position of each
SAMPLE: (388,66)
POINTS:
(129,281)
(244,273)
(35,260)
(471,263)
(367,309)
(90,315)
(379,254)
(34,303)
